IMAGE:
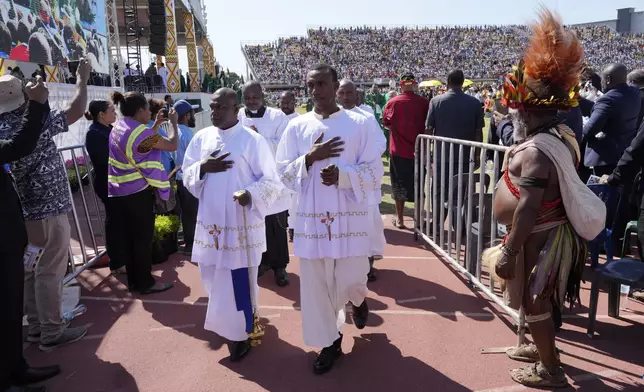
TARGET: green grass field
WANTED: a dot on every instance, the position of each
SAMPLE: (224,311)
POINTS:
(387,205)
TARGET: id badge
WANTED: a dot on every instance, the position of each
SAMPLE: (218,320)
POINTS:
(32,257)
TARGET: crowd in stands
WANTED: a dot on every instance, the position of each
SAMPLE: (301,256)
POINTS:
(366,53)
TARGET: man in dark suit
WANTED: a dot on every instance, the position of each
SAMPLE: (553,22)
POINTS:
(613,121)
(13,368)
(636,79)
(610,130)
(630,164)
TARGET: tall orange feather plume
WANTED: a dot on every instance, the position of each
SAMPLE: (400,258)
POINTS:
(555,55)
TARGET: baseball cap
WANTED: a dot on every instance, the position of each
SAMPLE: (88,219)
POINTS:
(182,107)
(11,95)
(407,79)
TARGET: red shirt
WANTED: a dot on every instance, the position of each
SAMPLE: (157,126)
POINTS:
(405,117)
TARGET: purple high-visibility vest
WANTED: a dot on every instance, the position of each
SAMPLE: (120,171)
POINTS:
(123,179)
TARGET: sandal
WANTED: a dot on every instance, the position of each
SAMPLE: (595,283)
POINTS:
(526,353)
(537,376)
(399,225)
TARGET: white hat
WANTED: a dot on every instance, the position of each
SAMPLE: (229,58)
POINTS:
(11,95)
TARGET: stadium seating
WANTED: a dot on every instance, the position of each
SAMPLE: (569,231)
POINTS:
(365,53)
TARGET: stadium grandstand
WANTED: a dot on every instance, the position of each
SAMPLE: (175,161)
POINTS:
(376,54)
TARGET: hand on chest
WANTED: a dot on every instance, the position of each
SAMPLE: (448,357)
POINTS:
(350,149)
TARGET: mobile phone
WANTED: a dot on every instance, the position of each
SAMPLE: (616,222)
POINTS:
(593,179)
(164,112)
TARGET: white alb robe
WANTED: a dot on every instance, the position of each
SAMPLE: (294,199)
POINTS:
(366,108)
(293,207)
(332,226)
(377,235)
(271,126)
(291,116)
(223,241)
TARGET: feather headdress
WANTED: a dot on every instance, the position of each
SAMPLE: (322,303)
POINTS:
(548,75)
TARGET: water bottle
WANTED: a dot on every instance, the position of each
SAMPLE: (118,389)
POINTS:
(624,290)
(72,314)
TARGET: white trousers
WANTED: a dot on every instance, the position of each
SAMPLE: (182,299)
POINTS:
(222,316)
(377,235)
(326,285)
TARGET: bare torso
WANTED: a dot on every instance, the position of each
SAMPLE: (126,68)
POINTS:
(505,205)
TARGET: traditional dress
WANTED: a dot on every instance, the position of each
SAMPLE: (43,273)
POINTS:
(577,217)
(270,123)
(377,235)
(229,242)
(332,227)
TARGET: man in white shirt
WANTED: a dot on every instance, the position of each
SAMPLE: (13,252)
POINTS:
(348,97)
(287,104)
(269,123)
(231,170)
(163,72)
(330,159)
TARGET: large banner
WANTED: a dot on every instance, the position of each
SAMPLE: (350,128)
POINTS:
(50,32)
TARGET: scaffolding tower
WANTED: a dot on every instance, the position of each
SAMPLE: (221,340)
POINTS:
(134,78)
(116,64)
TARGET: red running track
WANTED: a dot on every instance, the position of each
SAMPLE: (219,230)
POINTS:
(424,334)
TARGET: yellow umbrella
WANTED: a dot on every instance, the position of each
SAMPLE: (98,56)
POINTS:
(467,83)
(430,83)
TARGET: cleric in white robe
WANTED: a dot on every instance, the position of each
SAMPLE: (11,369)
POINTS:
(287,104)
(330,158)
(348,98)
(231,170)
(270,123)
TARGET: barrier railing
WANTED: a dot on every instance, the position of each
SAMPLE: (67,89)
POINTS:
(79,263)
(453,193)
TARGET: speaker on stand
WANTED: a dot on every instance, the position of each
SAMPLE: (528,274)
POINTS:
(158,27)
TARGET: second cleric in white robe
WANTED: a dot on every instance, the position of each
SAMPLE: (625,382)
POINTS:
(348,97)
(333,182)
(231,170)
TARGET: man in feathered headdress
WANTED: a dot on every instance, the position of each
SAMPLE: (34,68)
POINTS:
(548,210)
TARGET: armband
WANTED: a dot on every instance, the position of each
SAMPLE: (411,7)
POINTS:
(533,182)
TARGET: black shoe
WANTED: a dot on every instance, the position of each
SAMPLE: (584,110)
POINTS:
(281,277)
(238,350)
(325,360)
(35,375)
(26,389)
(262,270)
(360,314)
(154,290)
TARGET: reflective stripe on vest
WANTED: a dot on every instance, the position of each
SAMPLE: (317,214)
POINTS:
(124,178)
(142,165)
(130,141)
(152,165)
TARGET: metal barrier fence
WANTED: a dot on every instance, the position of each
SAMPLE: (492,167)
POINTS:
(76,160)
(80,159)
(453,200)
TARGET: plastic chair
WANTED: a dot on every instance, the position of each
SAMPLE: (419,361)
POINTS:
(462,214)
(631,227)
(624,271)
(157,81)
(611,199)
